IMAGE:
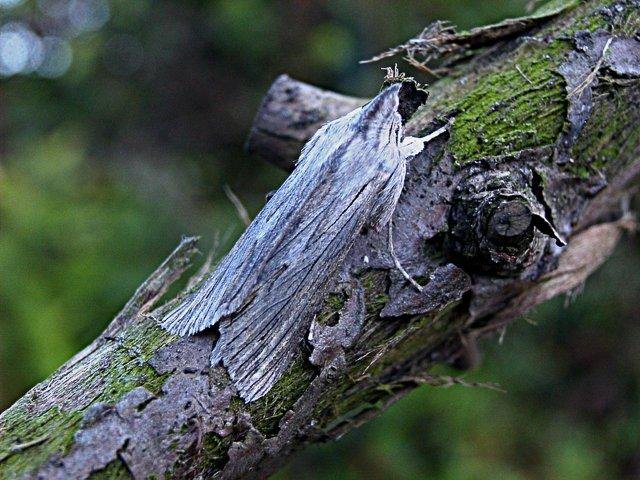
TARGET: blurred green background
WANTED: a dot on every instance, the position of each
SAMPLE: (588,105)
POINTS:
(120,122)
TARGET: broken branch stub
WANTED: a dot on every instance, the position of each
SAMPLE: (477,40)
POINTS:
(493,222)
(289,115)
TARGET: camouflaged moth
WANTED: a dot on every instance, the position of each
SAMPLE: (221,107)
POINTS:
(264,293)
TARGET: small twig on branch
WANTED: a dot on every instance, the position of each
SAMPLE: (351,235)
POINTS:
(397,263)
(523,75)
(446,381)
(237,203)
(592,75)
(19,447)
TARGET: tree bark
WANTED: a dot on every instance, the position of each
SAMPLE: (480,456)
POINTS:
(546,127)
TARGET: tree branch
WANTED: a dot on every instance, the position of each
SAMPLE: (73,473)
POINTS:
(290,113)
(524,160)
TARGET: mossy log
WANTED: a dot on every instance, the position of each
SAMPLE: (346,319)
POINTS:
(547,129)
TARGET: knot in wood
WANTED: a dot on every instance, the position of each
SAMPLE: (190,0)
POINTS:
(509,220)
(492,222)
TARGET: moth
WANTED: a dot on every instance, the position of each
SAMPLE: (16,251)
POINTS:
(264,293)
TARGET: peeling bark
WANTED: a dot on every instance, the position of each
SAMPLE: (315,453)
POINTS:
(140,403)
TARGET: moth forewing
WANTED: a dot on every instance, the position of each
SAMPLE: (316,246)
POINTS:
(264,293)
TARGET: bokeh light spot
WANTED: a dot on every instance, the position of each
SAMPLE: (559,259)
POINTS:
(88,15)
(54,8)
(10,3)
(57,57)
(21,50)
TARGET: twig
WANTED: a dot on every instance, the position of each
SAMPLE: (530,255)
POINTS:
(523,75)
(431,42)
(147,294)
(397,263)
(242,212)
(503,332)
(592,75)
(19,447)
(202,271)
(446,381)
(438,132)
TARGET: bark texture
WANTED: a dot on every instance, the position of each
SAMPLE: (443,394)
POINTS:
(547,129)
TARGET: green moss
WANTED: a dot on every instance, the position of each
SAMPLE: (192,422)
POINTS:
(628,24)
(113,471)
(215,448)
(590,23)
(214,453)
(609,138)
(332,306)
(490,123)
(335,301)
(375,299)
(593,19)
(57,428)
(146,338)
(127,371)
(340,406)
(522,104)
(415,335)
(267,411)
(124,373)
(349,407)
(377,302)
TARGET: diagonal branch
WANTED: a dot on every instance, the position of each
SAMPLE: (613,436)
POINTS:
(522,159)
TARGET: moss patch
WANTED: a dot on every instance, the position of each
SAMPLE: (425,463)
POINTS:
(145,339)
(113,471)
(331,308)
(612,133)
(533,112)
(126,372)
(58,429)
(601,16)
(126,368)
(213,455)
(490,123)
(268,411)
(374,298)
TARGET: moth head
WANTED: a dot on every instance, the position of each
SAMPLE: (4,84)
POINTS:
(385,115)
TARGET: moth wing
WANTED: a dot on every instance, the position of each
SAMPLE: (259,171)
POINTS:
(385,203)
(239,275)
(285,260)
(258,344)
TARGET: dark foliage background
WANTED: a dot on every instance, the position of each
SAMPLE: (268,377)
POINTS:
(121,121)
